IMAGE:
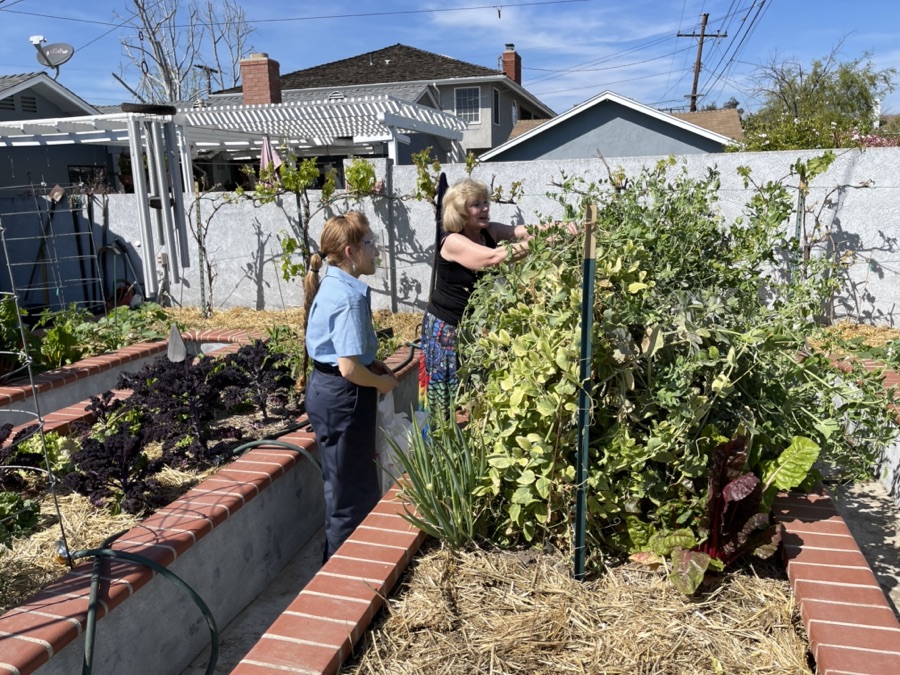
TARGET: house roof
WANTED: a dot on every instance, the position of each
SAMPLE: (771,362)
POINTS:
(47,87)
(523,126)
(391,65)
(398,63)
(726,122)
(606,96)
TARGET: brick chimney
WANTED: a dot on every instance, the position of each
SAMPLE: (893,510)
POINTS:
(512,64)
(260,80)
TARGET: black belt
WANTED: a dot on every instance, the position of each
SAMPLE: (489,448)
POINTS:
(326,368)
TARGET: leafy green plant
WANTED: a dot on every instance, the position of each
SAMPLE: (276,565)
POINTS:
(10,335)
(18,516)
(50,451)
(443,474)
(694,339)
(738,503)
(123,326)
(59,342)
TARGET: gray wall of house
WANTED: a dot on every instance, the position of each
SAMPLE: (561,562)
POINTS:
(616,130)
(30,105)
(484,134)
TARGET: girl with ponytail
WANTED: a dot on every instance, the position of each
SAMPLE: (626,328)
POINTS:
(346,378)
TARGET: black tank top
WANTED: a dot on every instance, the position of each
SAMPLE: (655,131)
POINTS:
(453,285)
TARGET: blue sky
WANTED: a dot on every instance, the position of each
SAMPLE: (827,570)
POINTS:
(571,49)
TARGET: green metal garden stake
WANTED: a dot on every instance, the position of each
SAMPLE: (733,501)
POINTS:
(584,376)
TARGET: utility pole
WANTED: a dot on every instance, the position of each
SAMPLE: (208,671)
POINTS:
(702,34)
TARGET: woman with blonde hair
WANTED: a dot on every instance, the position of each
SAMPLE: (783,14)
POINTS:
(468,246)
(346,378)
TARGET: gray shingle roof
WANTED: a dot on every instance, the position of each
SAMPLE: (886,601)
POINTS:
(10,81)
(399,63)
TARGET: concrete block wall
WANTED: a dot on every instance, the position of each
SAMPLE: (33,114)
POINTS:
(858,198)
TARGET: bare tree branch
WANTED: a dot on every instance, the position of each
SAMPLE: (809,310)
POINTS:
(171,37)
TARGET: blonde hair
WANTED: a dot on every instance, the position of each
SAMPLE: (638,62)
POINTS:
(338,233)
(455,210)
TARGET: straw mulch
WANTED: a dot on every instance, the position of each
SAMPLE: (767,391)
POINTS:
(32,562)
(406,325)
(496,612)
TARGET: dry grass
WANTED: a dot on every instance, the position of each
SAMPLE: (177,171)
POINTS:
(873,336)
(406,325)
(32,562)
(480,612)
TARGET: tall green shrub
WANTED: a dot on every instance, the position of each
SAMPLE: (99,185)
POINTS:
(696,339)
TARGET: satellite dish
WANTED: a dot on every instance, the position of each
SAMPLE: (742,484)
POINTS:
(54,55)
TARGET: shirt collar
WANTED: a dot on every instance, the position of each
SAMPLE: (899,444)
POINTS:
(354,283)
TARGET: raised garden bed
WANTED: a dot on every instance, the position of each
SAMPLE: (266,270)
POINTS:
(226,539)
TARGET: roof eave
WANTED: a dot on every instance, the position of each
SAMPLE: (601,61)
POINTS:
(602,98)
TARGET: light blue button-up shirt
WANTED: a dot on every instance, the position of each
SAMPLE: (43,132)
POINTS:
(340,320)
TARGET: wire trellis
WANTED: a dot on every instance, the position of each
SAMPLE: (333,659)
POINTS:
(19,425)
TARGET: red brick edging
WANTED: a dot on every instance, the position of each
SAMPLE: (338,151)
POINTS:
(850,625)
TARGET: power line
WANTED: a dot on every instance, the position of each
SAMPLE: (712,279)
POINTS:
(761,8)
(356,15)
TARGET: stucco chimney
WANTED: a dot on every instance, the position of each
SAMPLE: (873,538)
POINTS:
(512,64)
(260,80)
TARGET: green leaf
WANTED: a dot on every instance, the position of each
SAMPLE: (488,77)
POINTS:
(792,466)
(653,341)
(688,570)
(527,477)
(523,496)
(664,544)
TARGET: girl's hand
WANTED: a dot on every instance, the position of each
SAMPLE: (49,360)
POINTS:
(381,368)
(386,384)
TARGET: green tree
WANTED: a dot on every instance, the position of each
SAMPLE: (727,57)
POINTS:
(826,104)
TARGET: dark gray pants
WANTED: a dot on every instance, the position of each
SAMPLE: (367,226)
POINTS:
(343,417)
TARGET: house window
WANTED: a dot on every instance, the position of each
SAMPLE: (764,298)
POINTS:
(496,106)
(468,104)
(29,104)
(515,113)
(8,104)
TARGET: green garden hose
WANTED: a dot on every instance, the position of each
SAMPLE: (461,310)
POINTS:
(156,567)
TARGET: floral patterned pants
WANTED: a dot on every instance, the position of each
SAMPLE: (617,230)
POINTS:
(438,381)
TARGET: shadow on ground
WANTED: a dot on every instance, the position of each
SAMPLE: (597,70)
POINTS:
(874,519)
